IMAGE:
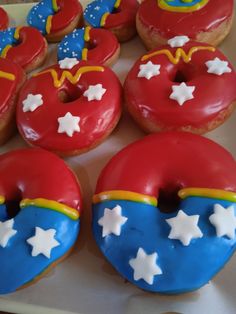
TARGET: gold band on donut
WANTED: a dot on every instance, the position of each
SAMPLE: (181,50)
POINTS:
(211,193)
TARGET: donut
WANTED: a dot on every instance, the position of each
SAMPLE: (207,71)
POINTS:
(39,216)
(184,85)
(164,211)
(70,107)
(92,44)
(23,45)
(4,20)
(56,18)
(206,21)
(11,79)
(117,16)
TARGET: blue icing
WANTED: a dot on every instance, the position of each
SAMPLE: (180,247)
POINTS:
(72,45)
(96,9)
(180,3)
(7,38)
(37,16)
(184,268)
(17,266)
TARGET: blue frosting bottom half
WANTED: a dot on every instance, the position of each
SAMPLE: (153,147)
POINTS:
(180,3)
(184,268)
(17,265)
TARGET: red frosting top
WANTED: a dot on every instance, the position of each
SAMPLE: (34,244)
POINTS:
(124,16)
(150,98)
(91,120)
(169,24)
(31,45)
(11,75)
(169,161)
(35,173)
(4,20)
(68,11)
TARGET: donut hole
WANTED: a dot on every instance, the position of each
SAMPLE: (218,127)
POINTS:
(168,201)
(90,44)
(67,97)
(116,10)
(12,208)
(180,77)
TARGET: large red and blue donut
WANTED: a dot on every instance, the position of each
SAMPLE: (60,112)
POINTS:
(40,203)
(159,250)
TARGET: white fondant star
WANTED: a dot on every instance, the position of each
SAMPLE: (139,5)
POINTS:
(112,221)
(32,102)
(145,266)
(218,66)
(184,228)
(148,70)
(68,124)
(181,93)
(178,41)
(95,92)
(224,221)
(6,232)
(43,242)
(68,63)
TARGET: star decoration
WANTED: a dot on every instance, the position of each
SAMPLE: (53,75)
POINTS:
(43,242)
(112,221)
(68,124)
(32,102)
(148,70)
(224,221)
(6,232)
(68,63)
(218,66)
(181,93)
(94,92)
(178,41)
(145,266)
(184,228)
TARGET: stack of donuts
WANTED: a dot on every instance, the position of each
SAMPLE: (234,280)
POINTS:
(168,198)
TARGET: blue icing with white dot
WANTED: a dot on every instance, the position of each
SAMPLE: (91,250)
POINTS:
(184,268)
(17,265)
(72,45)
(96,9)
(7,38)
(37,16)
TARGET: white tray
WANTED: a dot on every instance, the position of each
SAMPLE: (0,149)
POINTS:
(85,282)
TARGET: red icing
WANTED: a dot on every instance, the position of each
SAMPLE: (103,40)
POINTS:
(69,10)
(149,99)
(169,24)
(125,15)
(35,173)
(32,46)
(105,43)
(4,20)
(169,161)
(8,88)
(96,117)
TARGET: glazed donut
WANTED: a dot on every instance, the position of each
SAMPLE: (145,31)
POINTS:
(39,216)
(117,16)
(70,107)
(206,21)
(23,45)
(11,79)
(56,18)
(189,87)
(4,20)
(96,45)
(163,249)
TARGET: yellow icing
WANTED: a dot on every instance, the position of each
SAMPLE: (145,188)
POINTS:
(67,75)
(211,193)
(117,4)
(87,33)
(103,19)
(165,6)
(54,5)
(17,33)
(85,54)
(53,205)
(179,53)
(49,24)
(2,199)
(5,51)
(8,76)
(124,195)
